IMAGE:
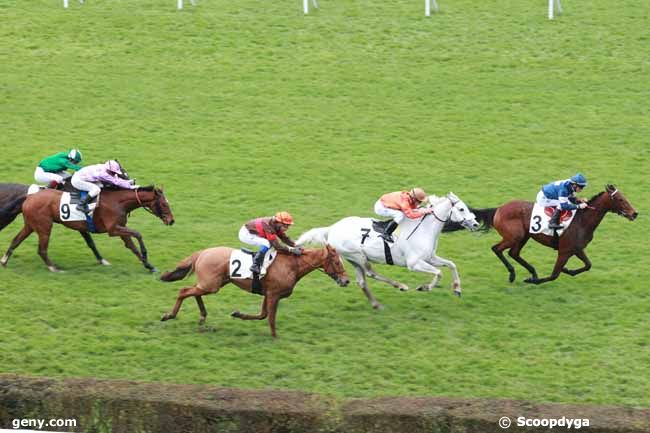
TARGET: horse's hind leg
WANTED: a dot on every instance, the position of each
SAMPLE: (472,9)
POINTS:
(361,281)
(372,274)
(498,250)
(44,232)
(21,236)
(261,316)
(514,253)
(91,244)
(183,293)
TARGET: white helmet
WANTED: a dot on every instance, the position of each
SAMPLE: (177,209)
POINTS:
(114,166)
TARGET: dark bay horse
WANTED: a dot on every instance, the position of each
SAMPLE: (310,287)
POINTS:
(512,221)
(41,210)
(12,196)
(212,270)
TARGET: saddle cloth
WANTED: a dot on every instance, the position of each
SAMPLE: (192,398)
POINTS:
(542,215)
(242,260)
(68,207)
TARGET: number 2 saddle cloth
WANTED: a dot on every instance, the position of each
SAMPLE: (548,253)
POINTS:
(242,260)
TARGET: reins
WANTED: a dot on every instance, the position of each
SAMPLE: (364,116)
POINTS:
(435,216)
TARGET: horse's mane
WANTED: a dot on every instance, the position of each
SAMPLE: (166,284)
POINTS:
(117,188)
(592,199)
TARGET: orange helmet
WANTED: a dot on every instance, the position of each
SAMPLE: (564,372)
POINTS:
(418,194)
(283,217)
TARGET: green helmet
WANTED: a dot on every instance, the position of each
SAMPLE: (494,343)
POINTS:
(75,156)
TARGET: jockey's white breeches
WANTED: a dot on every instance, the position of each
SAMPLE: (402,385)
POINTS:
(43,176)
(93,190)
(250,239)
(542,200)
(384,211)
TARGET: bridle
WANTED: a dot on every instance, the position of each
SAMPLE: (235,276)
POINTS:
(157,212)
(437,217)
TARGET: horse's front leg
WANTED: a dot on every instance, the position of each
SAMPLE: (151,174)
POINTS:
(562,258)
(582,256)
(261,316)
(421,265)
(91,244)
(439,261)
(126,233)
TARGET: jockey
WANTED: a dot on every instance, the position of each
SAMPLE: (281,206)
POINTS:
(52,170)
(264,232)
(88,178)
(399,204)
(561,195)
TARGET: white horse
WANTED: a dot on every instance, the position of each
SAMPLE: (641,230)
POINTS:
(414,247)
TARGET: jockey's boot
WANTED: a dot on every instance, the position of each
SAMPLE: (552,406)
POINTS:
(388,231)
(554,223)
(82,206)
(258,260)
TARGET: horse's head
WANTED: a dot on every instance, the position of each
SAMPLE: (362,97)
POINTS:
(461,214)
(333,266)
(159,206)
(620,204)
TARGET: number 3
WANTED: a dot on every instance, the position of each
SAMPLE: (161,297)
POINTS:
(538,223)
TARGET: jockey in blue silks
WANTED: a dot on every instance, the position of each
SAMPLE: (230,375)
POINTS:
(561,195)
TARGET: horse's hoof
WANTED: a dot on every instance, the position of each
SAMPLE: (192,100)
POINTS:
(3,261)
(55,269)
(166,317)
(530,280)
(423,288)
(104,262)
(235,313)
(153,270)
(202,321)
(377,306)
(511,278)
(403,288)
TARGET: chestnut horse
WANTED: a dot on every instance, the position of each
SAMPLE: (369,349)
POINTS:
(512,221)
(212,270)
(41,210)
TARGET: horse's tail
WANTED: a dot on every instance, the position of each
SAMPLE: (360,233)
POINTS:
(183,269)
(484,216)
(314,236)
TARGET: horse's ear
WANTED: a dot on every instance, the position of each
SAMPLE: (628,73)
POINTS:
(609,187)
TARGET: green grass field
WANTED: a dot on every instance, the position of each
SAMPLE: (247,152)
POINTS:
(244,108)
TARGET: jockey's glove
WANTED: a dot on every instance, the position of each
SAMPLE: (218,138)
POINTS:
(295,250)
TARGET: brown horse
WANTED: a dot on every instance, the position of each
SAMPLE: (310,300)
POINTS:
(41,210)
(12,196)
(512,221)
(212,271)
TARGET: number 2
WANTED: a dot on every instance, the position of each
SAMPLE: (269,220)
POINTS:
(235,272)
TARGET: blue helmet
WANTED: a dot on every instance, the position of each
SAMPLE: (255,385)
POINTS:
(579,179)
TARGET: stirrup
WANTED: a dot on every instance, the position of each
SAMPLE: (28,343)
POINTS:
(387,237)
